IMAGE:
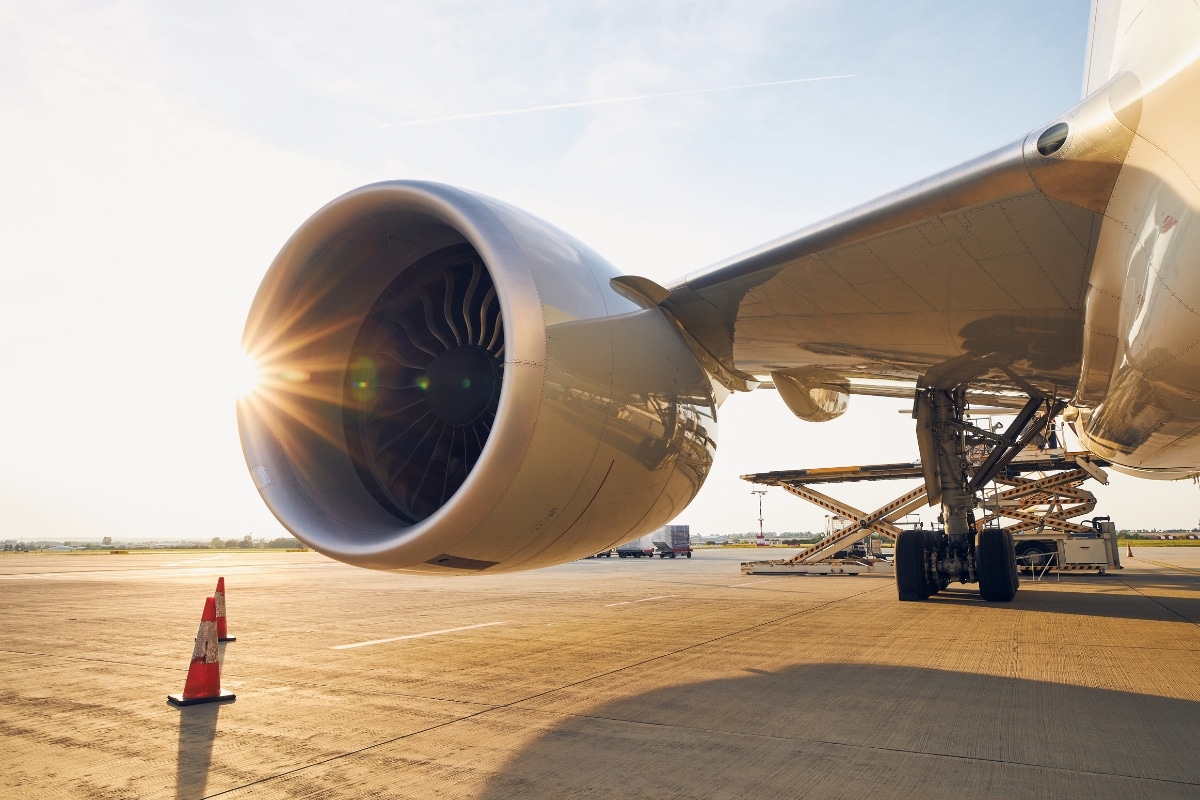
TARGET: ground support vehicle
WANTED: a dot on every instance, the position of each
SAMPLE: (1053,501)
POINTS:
(1043,505)
(642,547)
(822,558)
(672,541)
(1039,489)
(601,554)
(1092,547)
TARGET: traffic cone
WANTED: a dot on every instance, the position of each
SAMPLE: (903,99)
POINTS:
(222,629)
(1130,550)
(203,684)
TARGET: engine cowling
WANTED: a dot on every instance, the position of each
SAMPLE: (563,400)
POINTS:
(451,384)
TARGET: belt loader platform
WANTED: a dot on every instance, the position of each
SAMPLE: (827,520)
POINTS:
(1042,507)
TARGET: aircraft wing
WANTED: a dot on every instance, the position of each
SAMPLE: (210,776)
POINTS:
(979,273)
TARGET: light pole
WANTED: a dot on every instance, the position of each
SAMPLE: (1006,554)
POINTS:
(760,493)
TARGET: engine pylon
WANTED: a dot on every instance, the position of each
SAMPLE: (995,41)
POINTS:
(203,684)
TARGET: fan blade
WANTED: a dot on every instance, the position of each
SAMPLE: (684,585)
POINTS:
(412,335)
(476,270)
(483,307)
(427,302)
(448,278)
(382,445)
(394,473)
(449,465)
(496,333)
(416,491)
(401,360)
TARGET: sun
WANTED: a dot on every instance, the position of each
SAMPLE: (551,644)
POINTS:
(244,375)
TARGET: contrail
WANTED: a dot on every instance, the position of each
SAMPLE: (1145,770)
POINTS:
(608,101)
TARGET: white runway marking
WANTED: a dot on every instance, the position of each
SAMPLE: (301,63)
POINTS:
(751,583)
(643,600)
(415,635)
(194,561)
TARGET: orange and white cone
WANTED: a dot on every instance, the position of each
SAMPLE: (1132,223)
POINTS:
(203,684)
(222,629)
(1130,550)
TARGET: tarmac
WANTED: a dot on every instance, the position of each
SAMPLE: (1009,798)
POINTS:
(603,678)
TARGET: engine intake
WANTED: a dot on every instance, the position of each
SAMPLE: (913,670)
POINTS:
(424,382)
(450,383)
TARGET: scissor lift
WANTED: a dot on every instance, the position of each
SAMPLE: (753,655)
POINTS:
(816,558)
(1042,507)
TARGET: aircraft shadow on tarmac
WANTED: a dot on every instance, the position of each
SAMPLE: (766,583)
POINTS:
(1155,603)
(858,730)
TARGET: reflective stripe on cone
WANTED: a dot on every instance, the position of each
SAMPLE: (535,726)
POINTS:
(222,628)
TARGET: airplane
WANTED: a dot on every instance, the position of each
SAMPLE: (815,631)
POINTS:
(451,385)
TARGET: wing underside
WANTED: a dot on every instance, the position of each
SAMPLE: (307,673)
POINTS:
(978,274)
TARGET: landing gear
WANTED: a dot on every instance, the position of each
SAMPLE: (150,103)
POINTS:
(912,560)
(936,547)
(959,458)
(953,479)
(997,565)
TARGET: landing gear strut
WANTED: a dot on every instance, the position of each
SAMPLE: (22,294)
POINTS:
(928,562)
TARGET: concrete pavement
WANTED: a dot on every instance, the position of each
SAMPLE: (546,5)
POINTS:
(603,678)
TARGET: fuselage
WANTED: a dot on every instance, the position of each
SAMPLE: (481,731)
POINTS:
(1139,392)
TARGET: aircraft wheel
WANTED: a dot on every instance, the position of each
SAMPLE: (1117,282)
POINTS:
(997,562)
(910,566)
(1014,574)
(934,582)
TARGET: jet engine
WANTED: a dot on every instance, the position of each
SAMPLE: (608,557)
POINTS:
(449,384)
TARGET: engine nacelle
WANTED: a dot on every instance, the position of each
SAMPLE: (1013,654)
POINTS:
(451,384)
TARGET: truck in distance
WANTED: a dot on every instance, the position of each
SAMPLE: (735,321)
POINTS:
(673,540)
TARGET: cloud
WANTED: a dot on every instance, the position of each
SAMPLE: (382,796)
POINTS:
(605,101)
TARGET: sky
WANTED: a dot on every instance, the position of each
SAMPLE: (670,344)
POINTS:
(155,157)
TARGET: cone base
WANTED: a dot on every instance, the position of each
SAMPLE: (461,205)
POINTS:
(226,638)
(180,700)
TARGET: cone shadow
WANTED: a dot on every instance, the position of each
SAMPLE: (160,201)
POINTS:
(197,732)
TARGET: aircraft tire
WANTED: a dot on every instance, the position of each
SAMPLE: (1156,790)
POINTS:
(997,563)
(910,566)
(1014,574)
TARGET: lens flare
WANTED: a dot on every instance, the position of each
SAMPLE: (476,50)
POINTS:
(245,375)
